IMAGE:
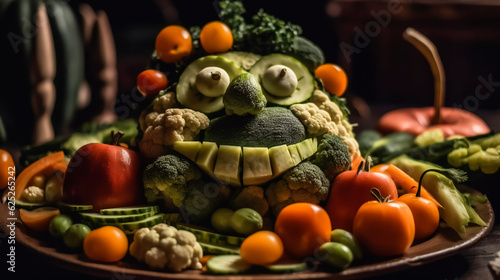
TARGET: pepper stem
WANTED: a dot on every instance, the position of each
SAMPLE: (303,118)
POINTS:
(456,175)
(115,137)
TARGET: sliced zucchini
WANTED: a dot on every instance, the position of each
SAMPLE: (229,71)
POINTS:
(187,93)
(244,60)
(30,205)
(131,210)
(227,264)
(114,219)
(67,207)
(211,249)
(286,267)
(132,227)
(305,80)
(212,238)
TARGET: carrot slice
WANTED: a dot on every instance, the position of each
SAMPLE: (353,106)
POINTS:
(38,219)
(44,166)
(403,180)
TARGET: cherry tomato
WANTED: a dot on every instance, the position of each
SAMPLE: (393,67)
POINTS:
(303,227)
(384,228)
(106,244)
(7,169)
(333,77)
(173,43)
(425,214)
(150,82)
(262,248)
(350,189)
(216,37)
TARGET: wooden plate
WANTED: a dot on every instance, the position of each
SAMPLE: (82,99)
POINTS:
(444,243)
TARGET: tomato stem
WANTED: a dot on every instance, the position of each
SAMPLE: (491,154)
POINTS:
(115,137)
(360,167)
(378,195)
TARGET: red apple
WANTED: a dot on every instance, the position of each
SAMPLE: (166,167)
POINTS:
(104,175)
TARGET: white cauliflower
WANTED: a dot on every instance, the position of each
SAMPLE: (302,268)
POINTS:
(34,194)
(166,247)
(158,106)
(162,130)
(321,116)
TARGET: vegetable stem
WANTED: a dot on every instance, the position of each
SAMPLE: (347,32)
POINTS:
(456,175)
(378,195)
(115,137)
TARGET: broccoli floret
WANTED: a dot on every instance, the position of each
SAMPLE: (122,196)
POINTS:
(332,156)
(202,199)
(167,178)
(250,197)
(244,96)
(303,183)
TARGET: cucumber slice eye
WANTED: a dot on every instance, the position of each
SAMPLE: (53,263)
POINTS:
(188,89)
(278,94)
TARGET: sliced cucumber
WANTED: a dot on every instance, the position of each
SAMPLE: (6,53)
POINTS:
(187,93)
(29,205)
(132,227)
(286,267)
(212,238)
(67,207)
(114,219)
(210,249)
(131,210)
(227,264)
(305,80)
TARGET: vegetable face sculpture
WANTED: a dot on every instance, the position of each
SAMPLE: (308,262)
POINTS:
(452,121)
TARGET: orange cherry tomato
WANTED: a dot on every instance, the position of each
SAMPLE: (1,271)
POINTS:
(350,189)
(7,169)
(39,218)
(333,77)
(262,248)
(425,214)
(384,228)
(106,244)
(150,82)
(173,43)
(302,227)
(216,37)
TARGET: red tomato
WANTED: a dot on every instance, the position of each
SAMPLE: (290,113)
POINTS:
(151,81)
(302,227)
(104,175)
(173,43)
(261,248)
(350,189)
(384,228)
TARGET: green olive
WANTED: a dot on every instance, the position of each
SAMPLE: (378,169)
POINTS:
(346,238)
(279,80)
(74,236)
(221,220)
(335,254)
(59,225)
(246,221)
(212,81)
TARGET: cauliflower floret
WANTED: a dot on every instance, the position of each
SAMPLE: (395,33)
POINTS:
(158,105)
(305,182)
(174,124)
(323,116)
(165,247)
(34,194)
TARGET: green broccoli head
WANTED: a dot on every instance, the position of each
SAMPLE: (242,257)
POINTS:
(244,96)
(305,182)
(332,156)
(202,199)
(167,179)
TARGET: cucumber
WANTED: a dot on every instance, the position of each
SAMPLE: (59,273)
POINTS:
(187,93)
(286,267)
(113,219)
(227,264)
(132,227)
(305,80)
(29,205)
(212,237)
(131,210)
(67,207)
(211,249)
